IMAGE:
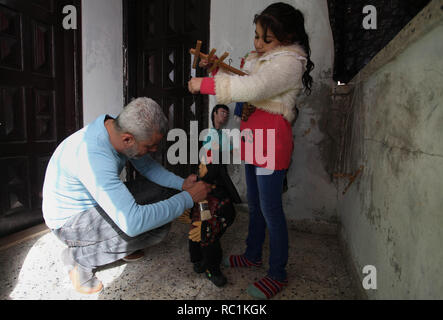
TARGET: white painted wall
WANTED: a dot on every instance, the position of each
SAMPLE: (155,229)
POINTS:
(102,28)
(311,194)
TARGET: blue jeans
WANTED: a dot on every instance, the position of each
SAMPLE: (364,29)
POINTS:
(264,193)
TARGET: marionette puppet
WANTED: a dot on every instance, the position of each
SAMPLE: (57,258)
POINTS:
(209,221)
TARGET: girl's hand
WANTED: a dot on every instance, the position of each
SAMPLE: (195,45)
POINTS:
(194,85)
(205,64)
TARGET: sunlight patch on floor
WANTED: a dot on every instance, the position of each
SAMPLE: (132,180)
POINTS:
(42,274)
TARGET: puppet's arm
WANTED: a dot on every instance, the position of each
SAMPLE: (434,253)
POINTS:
(185,217)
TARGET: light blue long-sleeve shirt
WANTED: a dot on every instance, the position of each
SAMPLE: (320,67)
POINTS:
(84,172)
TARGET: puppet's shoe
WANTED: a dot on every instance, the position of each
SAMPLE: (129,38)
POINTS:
(216,278)
(85,283)
(266,288)
(135,256)
(199,267)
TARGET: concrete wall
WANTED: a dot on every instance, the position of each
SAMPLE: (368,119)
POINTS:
(311,194)
(102,28)
(392,216)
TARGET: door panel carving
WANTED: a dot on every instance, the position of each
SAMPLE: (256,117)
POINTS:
(159,34)
(39,102)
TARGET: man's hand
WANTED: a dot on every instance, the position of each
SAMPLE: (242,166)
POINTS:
(189,182)
(199,191)
(194,85)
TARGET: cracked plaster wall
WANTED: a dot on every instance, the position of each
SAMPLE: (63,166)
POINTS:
(392,216)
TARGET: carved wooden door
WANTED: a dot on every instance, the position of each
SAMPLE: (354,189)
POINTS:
(159,36)
(39,102)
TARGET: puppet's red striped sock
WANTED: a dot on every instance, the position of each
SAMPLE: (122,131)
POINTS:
(240,261)
(266,288)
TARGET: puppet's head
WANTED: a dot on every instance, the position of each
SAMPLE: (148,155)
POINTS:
(209,173)
(216,174)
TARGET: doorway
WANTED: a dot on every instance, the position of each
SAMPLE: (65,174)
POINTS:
(40,101)
(158,35)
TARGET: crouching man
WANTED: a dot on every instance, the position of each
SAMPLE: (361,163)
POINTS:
(100,218)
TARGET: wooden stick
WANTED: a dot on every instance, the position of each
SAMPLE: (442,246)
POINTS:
(211,54)
(197,53)
(221,64)
(218,61)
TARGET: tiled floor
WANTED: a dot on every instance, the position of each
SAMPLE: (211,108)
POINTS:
(316,270)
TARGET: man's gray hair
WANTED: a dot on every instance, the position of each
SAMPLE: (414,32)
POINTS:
(142,117)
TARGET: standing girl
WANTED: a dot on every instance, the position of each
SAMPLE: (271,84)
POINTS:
(277,71)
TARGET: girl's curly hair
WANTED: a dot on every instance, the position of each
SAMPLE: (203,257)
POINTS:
(288,26)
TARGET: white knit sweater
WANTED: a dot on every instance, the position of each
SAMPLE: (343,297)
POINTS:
(273,82)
